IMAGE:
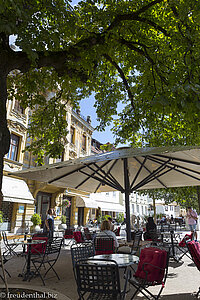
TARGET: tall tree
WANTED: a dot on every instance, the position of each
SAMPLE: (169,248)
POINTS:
(143,53)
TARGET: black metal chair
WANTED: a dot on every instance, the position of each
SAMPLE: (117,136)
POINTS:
(104,245)
(5,258)
(10,246)
(47,259)
(99,279)
(81,251)
(151,271)
(134,247)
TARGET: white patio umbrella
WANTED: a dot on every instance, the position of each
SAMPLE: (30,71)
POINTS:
(125,170)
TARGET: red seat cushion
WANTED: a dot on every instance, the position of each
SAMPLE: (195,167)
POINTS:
(153,257)
(78,236)
(194,248)
(39,248)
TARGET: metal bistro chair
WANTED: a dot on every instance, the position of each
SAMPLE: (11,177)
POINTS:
(10,246)
(104,245)
(194,250)
(151,271)
(134,247)
(69,236)
(99,279)
(48,259)
(81,251)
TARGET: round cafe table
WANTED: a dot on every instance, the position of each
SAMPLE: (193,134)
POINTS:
(28,273)
(123,260)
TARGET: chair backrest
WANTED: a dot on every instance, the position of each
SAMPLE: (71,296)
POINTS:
(104,245)
(39,248)
(78,236)
(81,251)
(153,265)
(68,233)
(194,249)
(136,241)
(53,246)
(98,278)
(5,240)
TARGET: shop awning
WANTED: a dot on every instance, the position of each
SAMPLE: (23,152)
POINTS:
(16,190)
(110,206)
(85,202)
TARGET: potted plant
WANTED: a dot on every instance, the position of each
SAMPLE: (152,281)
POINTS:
(63,222)
(36,220)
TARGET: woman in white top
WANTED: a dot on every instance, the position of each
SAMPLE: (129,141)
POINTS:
(105,231)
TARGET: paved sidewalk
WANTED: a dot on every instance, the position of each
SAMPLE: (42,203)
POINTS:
(182,282)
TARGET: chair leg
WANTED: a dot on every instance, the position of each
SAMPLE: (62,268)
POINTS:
(51,267)
(197,295)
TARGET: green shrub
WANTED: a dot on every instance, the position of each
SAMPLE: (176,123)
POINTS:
(36,219)
(63,219)
(1,217)
(120,218)
(106,217)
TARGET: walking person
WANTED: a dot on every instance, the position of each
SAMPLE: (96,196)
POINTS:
(192,221)
(49,222)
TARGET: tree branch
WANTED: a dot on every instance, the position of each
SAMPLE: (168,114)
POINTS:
(121,73)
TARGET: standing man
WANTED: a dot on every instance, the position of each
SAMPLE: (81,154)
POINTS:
(192,221)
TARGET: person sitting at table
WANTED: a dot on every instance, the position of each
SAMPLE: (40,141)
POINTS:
(111,223)
(150,229)
(106,232)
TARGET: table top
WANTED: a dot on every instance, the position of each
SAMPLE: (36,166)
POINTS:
(32,242)
(123,260)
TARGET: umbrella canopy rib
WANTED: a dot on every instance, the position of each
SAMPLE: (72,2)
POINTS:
(154,178)
(108,174)
(149,173)
(138,172)
(103,181)
(178,159)
(105,176)
(65,175)
(113,164)
(175,165)
(85,180)
(151,176)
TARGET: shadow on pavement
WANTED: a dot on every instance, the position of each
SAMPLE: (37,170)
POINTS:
(172,297)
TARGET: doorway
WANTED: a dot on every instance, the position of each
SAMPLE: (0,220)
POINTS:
(80,216)
(43,202)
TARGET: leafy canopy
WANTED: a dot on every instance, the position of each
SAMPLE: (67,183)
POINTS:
(142,53)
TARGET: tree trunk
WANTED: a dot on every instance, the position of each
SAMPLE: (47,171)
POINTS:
(198,197)
(4,132)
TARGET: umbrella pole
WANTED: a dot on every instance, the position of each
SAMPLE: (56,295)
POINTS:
(127,204)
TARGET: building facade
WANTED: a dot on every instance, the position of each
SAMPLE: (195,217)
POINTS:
(39,197)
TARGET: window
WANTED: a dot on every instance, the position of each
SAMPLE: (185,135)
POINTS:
(72,133)
(171,207)
(138,208)
(142,210)
(18,107)
(84,142)
(114,194)
(133,208)
(14,147)
(166,208)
